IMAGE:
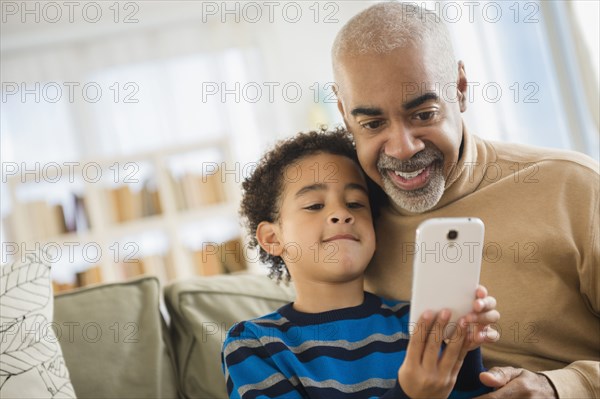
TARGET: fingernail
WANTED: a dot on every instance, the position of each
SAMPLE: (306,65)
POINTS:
(493,334)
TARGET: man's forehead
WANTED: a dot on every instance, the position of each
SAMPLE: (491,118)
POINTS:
(388,71)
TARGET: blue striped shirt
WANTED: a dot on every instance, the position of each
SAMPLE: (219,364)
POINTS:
(346,353)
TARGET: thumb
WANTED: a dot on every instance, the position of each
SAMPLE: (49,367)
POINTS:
(497,377)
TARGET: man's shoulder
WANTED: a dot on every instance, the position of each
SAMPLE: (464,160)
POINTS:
(542,156)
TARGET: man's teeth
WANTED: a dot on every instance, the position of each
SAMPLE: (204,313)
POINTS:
(409,175)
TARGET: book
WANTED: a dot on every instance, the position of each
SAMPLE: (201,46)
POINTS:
(62,287)
(128,203)
(207,261)
(177,189)
(154,265)
(232,256)
(150,202)
(212,189)
(169,266)
(56,220)
(93,275)
(192,193)
(132,268)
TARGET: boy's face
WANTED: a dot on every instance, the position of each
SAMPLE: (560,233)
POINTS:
(325,229)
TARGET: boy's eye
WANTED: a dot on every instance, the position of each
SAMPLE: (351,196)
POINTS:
(355,205)
(314,207)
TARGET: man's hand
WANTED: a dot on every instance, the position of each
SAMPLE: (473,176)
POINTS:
(516,383)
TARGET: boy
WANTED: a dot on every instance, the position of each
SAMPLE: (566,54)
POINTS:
(308,204)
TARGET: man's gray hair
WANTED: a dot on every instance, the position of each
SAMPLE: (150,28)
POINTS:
(387,26)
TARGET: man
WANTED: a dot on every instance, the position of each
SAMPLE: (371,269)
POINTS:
(401,94)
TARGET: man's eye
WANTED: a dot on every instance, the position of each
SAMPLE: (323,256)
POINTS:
(425,116)
(371,125)
(314,207)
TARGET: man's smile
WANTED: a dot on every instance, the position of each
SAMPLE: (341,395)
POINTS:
(411,180)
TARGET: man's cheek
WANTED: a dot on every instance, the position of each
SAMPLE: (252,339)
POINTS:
(370,167)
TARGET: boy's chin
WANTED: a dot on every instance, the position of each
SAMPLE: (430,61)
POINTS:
(347,267)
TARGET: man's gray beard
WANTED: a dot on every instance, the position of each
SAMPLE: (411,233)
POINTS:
(424,198)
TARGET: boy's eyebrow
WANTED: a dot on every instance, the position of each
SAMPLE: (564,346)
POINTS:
(415,102)
(312,187)
(323,186)
(356,186)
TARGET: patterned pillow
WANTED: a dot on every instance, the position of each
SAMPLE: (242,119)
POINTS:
(31,360)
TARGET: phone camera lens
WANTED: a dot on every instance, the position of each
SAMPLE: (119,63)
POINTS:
(452,234)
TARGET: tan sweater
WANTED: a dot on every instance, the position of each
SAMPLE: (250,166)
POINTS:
(541,255)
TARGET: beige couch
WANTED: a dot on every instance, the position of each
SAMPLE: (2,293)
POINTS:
(117,344)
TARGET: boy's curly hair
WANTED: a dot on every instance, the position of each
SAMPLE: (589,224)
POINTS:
(262,191)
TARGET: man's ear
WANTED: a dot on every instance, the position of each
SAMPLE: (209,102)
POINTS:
(461,86)
(267,235)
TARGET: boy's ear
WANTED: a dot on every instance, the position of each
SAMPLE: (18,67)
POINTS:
(267,237)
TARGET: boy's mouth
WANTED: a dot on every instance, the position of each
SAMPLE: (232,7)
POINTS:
(341,237)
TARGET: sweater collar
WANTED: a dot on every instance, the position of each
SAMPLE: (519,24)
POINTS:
(369,307)
(464,176)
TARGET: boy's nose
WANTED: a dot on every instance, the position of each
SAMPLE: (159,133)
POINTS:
(341,217)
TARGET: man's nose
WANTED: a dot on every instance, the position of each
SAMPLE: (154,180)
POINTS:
(401,143)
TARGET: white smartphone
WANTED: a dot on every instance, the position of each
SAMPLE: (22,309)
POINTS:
(446,267)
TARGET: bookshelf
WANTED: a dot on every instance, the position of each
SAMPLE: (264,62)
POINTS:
(171,213)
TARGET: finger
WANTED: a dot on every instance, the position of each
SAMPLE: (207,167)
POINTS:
(484,304)
(490,379)
(499,376)
(461,357)
(483,319)
(416,344)
(455,351)
(490,303)
(481,292)
(435,338)
(490,335)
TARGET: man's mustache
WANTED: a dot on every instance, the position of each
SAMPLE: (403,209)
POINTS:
(419,161)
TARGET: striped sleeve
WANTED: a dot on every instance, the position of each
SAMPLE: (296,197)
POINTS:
(249,370)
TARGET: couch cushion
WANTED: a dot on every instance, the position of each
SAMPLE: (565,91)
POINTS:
(31,360)
(112,337)
(202,311)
